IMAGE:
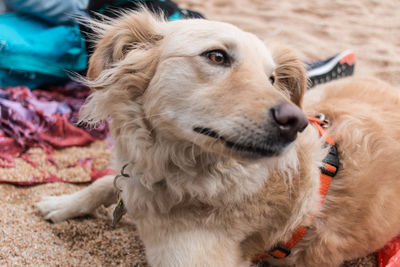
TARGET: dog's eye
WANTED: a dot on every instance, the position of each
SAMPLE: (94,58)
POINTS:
(272,79)
(217,56)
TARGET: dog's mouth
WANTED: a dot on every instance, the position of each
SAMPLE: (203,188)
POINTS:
(208,132)
(250,149)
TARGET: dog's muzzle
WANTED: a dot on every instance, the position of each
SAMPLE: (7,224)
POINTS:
(285,121)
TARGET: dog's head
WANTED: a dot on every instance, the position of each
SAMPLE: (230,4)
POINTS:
(197,81)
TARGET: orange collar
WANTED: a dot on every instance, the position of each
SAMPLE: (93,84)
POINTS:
(328,171)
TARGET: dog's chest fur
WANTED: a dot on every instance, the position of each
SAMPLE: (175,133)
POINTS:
(267,199)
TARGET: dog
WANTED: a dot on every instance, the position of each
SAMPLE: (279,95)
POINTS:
(223,164)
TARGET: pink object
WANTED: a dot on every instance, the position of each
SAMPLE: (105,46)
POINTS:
(389,255)
(42,118)
(45,119)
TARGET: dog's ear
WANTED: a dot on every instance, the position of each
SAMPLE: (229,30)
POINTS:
(290,74)
(134,33)
(122,64)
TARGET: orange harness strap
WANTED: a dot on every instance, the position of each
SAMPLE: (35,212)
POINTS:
(328,171)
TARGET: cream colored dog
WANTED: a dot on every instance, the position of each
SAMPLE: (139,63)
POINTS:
(221,163)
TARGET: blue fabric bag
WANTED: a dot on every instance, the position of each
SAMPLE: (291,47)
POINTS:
(34,52)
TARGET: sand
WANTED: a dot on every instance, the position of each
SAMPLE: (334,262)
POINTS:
(317,29)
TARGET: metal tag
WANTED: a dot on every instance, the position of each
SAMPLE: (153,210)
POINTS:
(118,212)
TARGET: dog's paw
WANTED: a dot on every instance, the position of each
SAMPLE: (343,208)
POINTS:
(58,208)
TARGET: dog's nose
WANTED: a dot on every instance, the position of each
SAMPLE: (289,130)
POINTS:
(290,120)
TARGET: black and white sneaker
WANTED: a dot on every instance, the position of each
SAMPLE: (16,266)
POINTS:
(338,66)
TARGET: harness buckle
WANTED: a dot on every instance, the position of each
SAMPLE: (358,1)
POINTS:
(279,251)
(331,162)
